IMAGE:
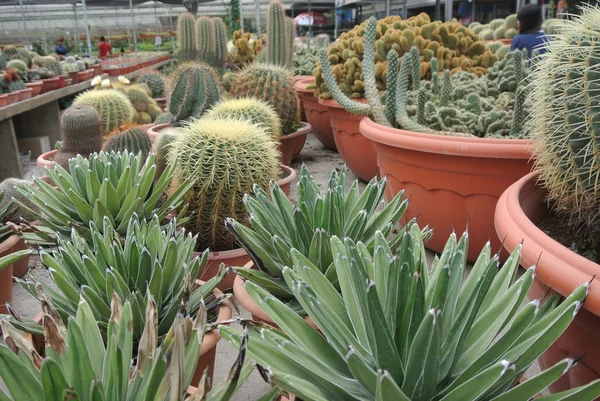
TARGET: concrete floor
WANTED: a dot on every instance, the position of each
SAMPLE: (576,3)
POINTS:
(320,163)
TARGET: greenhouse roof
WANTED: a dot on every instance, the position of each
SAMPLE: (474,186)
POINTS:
(90,3)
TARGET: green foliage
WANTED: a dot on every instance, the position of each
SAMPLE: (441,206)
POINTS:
(186,37)
(194,89)
(155,82)
(402,330)
(82,133)
(242,155)
(273,84)
(9,211)
(112,105)
(7,208)
(134,140)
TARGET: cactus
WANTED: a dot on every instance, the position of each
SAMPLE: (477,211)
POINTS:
(510,33)
(134,140)
(565,119)
(144,118)
(502,52)
(10,50)
(254,110)
(163,118)
(80,65)
(205,40)
(220,44)
(186,37)
(496,23)
(273,84)
(551,26)
(55,67)
(155,82)
(511,22)
(70,60)
(242,156)
(194,89)
(17,65)
(8,188)
(113,107)
(246,49)
(487,34)
(277,43)
(290,31)
(499,33)
(305,61)
(163,146)
(138,98)
(154,111)
(69,67)
(82,133)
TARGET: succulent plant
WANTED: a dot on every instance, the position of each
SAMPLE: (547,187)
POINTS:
(273,84)
(186,37)
(10,50)
(9,211)
(242,155)
(305,61)
(277,42)
(163,146)
(402,330)
(77,364)
(18,65)
(67,67)
(155,82)
(138,98)
(163,118)
(82,133)
(205,40)
(55,67)
(194,89)
(81,65)
(246,48)
(11,81)
(134,140)
(551,26)
(105,185)
(565,121)
(144,118)
(112,105)
(220,39)
(254,110)
(277,226)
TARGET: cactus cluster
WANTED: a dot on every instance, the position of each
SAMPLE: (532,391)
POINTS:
(18,65)
(499,28)
(203,39)
(134,140)
(194,89)
(155,82)
(186,37)
(273,84)
(11,81)
(305,60)
(246,49)
(82,134)
(112,105)
(242,155)
(281,31)
(254,110)
(455,47)
(565,119)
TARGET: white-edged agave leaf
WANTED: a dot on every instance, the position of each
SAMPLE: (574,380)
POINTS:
(589,392)
(388,389)
(387,283)
(81,368)
(412,316)
(479,267)
(456,272)
(362,371)
(320,253)
(18,379)
(307,390)
(260,251)
(480,383)
(275,286)
(444,260)
(391,213)
(54,382)
(91,336)
(351,196)
(296,327)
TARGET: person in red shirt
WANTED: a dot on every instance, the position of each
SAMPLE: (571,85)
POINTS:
(104,47)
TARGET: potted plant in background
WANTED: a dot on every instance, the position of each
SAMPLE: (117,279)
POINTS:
(554,210)
(429,156)
(400,330)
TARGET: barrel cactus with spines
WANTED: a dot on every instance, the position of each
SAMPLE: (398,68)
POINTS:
(243,155)
(186,37)
(18,65)
(205,40)
(195,88)
(277,45)
(496,23)
(163,146)
(154,111)
(55,67)
(69,67)
(10,50)
(155,82)
(273,84)
(134,140)
(254,110)
(220,44)
(80,65)
(138,98)
(82,133)
(113,107)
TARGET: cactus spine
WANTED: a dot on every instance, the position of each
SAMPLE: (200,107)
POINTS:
(241,155)
(155,82)
(112,105)
(205,40)
(134,140)
(82,132)
(186,36)
(254,110)
(276,34)
(194,90)
(220,44)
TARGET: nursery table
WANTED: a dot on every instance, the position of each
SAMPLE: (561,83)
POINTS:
(38,116)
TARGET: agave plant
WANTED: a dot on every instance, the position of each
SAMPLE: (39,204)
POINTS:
(277,226)
(148,259)
(5,231)
(402,331)
(111,185)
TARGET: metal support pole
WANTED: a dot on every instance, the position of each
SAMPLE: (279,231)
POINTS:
(473,13)
(449,9)
(241,14)
(76,28)
(335,26)
(87,28)
(387,8)
(24,23)
(133,26)
(257,16)
(156,19)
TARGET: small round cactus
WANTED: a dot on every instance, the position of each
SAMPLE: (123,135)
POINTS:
(144,118)
(155,82)
(254,110)
(17,65)
(113,106)
(134,140)
(82,132)
(241,155)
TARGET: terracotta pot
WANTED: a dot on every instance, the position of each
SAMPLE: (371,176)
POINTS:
(68,81)
(21,267)
(36,87)
(145,127)
(291,145)
(83,76)
(317,115)
(97,69)
(154,131)
(244,299)
(46,159)
(25,94)
(300,78)
(238,257)
(61,82)
(13,97)
(558,268)
(6,248)
(49,84)
(74,77)
(451,181)
(3,100)
(356,150)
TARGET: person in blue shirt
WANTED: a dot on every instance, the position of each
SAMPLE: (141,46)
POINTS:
(530,34)
(60,49)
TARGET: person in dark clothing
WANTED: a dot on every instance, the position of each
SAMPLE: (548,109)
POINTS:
(60,48)
(530,34)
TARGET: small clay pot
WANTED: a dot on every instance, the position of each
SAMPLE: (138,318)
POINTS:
(25,94)
(154,131)
(36,87)
(291,145)
(46,159)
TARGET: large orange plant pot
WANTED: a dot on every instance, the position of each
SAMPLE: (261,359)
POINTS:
(452,182)
(356,150)
(559,269)
(6,248)
(317,115)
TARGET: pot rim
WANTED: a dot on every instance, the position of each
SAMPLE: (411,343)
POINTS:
(46,157)
(300,86)
(557,266)
(38,82)
(232,253)
(291,177)
(447,145)
(335,105)
(9,243)
(305,129)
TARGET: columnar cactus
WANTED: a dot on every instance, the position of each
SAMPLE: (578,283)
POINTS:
(242,156)
(254,110)
(277,45)
(194,89)
(273,84)
(205,40)
(220,44)
(82,133)
(155,82)
(134,140)
(112,105)
(186,36)
(566,118)
(290,31)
